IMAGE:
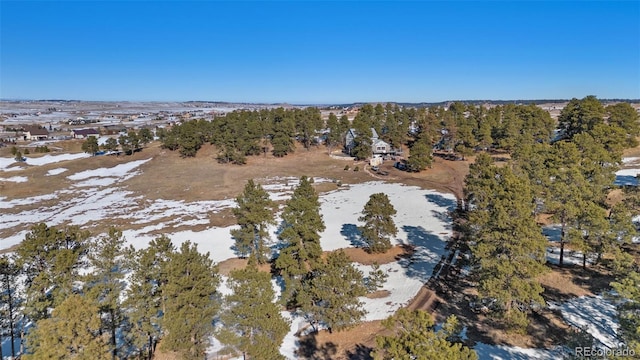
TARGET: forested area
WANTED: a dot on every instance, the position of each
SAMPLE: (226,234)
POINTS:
(459,128)
(569,181)
(67,293)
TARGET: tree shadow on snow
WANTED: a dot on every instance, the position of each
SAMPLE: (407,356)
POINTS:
(429,251)
(352,233)
(449,204)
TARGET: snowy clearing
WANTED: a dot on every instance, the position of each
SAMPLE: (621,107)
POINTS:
(16,179)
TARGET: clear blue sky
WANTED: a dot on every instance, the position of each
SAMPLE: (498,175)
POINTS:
(318,52)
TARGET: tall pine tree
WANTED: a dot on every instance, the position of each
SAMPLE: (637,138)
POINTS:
(146,295)
(192,302)
(105,284)
(331,292)
(509,247)
(302,225)
(254,213)
(379,226)
(251,321)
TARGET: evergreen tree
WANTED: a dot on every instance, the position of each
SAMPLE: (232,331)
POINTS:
(568,190)
(192,302)
(331,293)
(379,226)
(125,145)
(251,322)
(146,298)
(581,115)
(111,144)
(509,246)
(254,213)
(625,116)
(335,135)
(10,303)
(72,332)
(50,260)
(90,146)
(302,225)
(414,337)
(419,158)
(627,290)
(283,129)
(376,278)
(307,122)
(343,125)
(145,136)
(106,283)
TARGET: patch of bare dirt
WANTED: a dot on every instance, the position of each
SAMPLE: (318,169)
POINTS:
(363,257)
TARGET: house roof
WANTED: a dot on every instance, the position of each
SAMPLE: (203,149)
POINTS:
(34,130)
(86,132)
(374,133)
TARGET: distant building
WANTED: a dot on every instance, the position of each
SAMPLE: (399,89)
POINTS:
(35,133)
(84,133)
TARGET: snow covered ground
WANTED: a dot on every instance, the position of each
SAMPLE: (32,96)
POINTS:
(596,314)
(17,179)
(422,220)
(39,161)
(627,176)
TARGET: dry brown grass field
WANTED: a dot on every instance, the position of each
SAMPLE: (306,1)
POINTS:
(168,176)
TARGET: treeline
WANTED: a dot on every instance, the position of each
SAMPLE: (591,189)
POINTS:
(127,143)
(95,298)
(460,128)
(568,180)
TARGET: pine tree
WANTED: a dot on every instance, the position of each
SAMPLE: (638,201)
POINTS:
(254,213)
(414,337)
(50,260)
(509,247)
(335,135)
(379,226)
(146,298)
(331,292)
(419,158)
(192,302)
(106,283)
(251,322)
(90,146)
(627,290)
(10,303)
(302,225)
(111,144)
(626,117)
(145,136)
(72,332)
(568,190)
(376,278)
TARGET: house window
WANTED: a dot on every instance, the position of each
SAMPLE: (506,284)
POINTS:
(380,148)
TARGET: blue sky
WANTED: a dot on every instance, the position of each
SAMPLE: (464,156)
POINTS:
(318,52)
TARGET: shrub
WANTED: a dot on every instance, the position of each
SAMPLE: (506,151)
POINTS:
(346,167)
(357,168)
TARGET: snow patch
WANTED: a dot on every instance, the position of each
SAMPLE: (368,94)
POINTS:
(56,171)
(16,179)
